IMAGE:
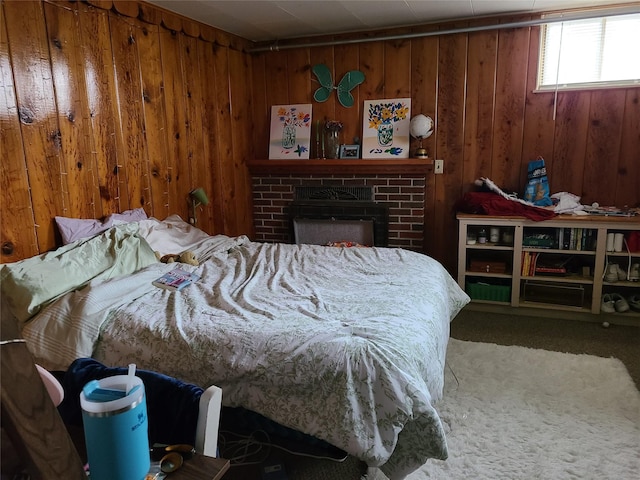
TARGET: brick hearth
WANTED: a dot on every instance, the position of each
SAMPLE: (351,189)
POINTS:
(404,193)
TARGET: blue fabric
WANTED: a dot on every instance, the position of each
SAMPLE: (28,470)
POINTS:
(172,405)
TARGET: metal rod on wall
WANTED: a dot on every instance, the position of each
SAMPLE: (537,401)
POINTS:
(548,18)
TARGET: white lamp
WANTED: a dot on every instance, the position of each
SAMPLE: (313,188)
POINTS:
(421,127)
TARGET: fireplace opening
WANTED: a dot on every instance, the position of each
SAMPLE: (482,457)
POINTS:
(324,214)
(317,231)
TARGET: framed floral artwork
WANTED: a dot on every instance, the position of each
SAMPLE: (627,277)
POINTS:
(385,129)
(290,131)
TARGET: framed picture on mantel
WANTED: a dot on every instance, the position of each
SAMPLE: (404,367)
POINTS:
(385,129)
(290,132)
(349,151)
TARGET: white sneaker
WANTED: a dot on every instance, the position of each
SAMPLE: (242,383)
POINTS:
(607,305)
(620,304)
(611,275)
(634,302)
(622,274)
(634,274)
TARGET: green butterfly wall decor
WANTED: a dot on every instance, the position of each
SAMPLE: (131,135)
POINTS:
(351,80)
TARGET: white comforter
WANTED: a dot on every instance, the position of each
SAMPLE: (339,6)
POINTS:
(345,344)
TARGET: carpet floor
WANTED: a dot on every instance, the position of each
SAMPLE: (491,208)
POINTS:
(570,336)
(513,412)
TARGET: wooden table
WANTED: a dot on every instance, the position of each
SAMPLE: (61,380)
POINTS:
(201,467)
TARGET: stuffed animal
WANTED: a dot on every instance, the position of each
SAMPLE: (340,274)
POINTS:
(187,257)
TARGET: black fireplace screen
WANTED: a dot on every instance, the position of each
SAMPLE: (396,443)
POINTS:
(344,204)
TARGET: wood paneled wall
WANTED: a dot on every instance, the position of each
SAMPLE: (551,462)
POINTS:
(108,106)
(479,88)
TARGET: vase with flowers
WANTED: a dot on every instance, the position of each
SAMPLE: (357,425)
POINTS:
(332,129)
(382,116)
(292,118)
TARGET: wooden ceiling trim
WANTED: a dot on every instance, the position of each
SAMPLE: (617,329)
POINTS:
(127,8)
(174,22)
(150,14)
(191,28)
(171,21)
(105,4)
(208,33)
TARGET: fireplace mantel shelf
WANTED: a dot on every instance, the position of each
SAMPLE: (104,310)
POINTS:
(394,166)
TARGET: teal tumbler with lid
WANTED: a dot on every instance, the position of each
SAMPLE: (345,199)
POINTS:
(114,415)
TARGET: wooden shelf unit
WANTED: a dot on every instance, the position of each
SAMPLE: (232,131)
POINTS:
(595,258)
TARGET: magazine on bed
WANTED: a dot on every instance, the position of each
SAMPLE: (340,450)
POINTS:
(176,279)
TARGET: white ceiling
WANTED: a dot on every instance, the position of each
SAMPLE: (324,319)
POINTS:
(268,20)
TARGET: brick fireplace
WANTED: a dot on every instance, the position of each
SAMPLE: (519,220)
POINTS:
(402,192)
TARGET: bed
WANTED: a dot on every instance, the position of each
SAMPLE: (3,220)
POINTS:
(344,344)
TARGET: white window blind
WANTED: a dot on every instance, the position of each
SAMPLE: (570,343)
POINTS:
(587,53)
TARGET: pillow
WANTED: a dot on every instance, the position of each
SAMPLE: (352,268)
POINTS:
(127,216)
(72,229)
(29,284)
(172,235)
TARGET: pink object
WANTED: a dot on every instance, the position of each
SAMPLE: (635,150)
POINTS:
(53,386)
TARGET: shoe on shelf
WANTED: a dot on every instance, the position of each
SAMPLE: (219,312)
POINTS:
(622,274)
(634,302)
(607,305)
(634,273)
(611,275)
(620,304)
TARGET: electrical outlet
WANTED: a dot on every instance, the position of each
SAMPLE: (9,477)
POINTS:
(438,167)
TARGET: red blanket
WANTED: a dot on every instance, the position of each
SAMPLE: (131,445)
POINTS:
(489,203)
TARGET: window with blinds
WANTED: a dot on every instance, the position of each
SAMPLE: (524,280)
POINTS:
(590,53)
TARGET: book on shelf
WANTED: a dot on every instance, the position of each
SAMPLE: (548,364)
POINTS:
(176,279)
(533,263)
(579,239)
(524,271)
(538,239)
(553,265)
(529,261)
(551,270)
